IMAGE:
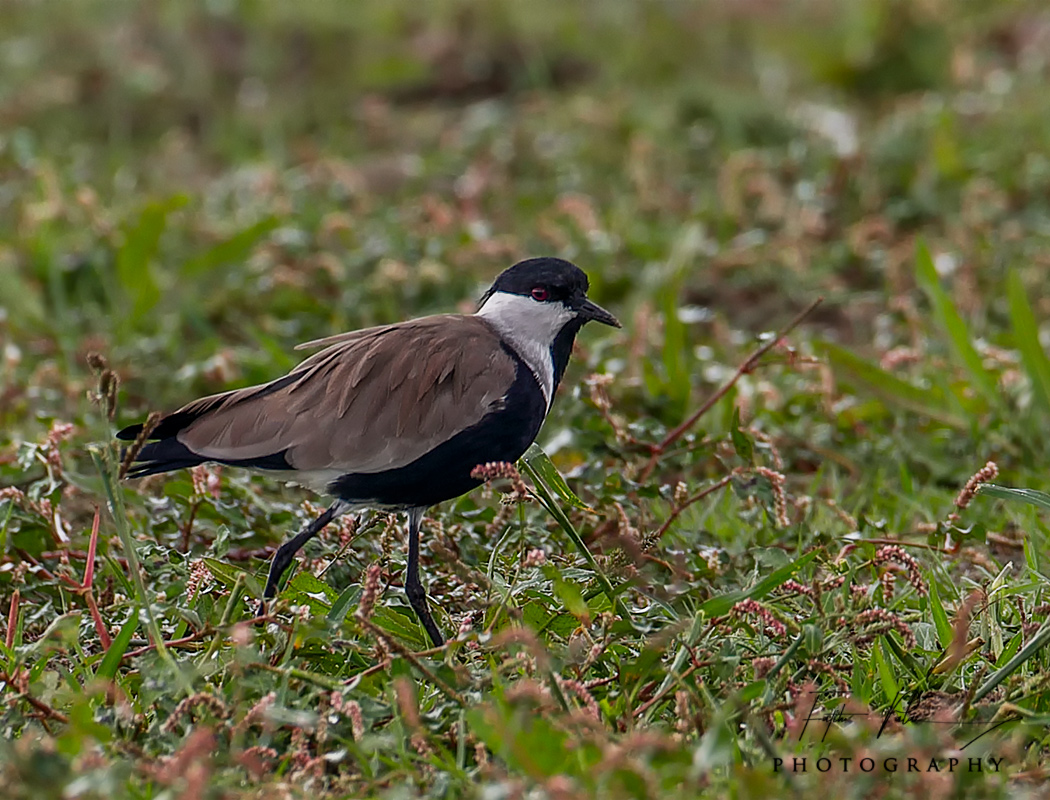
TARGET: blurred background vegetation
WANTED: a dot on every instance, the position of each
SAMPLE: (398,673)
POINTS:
(190,189)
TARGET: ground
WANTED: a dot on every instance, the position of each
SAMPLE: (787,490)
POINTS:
(753,557)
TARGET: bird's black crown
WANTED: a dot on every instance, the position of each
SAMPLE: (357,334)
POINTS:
(563,279)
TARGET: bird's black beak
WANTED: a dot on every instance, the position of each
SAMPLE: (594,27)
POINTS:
(589,311)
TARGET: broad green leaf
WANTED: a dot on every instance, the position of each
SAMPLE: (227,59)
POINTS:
(561,625)
(222,572)
(305,582)
(236,248)
(305,588)
(752,691)
(926,636)
(527,742)
(60,635)
(742,443)
(396,623)
(952,323)
(930,401)
(136,254)
(813,636)
(1026,338)
(83,724)
(342,604)
(220,545)
(542,465)
(7,521)
(718,746)
(571,598)
(228,575)
(536,616)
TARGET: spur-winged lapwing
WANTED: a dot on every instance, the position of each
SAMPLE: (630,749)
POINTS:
(395,417)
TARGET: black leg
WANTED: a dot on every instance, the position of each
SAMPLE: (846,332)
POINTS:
(286,552)
(417,596)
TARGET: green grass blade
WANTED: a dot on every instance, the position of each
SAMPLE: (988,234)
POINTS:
(548,502)
(717,606)
(3,528)
(539,461)
(940,617)
(1031,496)
(111,660)
(1026,338)
(1031,557)
(135,257)
(952,323)
(107,471)
(931,402)
(886,677)
(1040,640)
(904,657)
(1010,650)
(675,349)
(781,662)
(342,604)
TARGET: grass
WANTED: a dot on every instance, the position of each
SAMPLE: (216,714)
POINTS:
(717,551)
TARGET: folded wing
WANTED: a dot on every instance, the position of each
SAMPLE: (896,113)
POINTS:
(372,400)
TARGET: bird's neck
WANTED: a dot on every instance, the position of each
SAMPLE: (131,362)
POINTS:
(541,335)
(561,348)
(547,362)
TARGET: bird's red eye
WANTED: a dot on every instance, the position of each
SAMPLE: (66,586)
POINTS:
(541,294)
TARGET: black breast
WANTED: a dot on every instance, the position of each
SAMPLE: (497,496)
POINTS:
(444,472)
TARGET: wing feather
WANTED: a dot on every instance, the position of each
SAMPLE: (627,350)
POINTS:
(335,411)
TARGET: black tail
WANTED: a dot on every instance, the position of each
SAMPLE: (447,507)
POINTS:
(130,433)
(169,425)
(166,453)
(163,456)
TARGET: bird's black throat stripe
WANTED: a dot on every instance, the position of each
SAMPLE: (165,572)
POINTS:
(561,348)
(444,472)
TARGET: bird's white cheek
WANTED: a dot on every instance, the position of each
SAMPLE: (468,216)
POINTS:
(530,327)
(523,319)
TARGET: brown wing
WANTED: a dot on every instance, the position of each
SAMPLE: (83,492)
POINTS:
(376,399)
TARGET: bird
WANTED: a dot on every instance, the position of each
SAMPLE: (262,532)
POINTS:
(394,417)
